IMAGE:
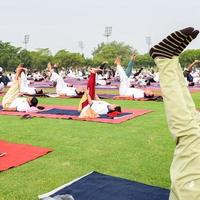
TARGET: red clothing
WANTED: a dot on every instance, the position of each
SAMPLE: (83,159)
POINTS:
(91,87)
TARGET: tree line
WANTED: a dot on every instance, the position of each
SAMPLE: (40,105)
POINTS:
(11,56)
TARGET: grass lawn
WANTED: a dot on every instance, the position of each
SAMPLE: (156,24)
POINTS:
(140,149)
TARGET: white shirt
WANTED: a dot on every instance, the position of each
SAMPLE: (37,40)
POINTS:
(135,92)
(24,88)
(21,104)
(99,107)
(1,86)
(61,87)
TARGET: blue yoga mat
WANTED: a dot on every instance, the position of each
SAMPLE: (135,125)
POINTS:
(97,186)
(57,111)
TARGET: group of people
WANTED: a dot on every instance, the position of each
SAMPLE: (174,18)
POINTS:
(20,87)
(13,102)
(182,117)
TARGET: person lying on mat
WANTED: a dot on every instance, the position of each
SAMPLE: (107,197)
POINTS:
(125,88)
(24,87)
(90,105)
(62,88)
(12,100)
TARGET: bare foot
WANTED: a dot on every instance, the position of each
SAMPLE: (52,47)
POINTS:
(95,70)
(133,57)
(118,61)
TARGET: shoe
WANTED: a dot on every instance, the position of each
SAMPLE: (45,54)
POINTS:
(26,116)
(40,92)
(2,154)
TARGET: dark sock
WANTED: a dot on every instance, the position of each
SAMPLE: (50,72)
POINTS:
(185,43)
(167,48)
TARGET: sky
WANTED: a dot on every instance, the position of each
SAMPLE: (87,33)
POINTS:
(61,24)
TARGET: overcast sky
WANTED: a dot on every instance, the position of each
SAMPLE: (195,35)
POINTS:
(61,24)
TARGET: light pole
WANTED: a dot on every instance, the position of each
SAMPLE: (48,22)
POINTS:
(81,46)
(148,41)
(26,40)
(108,32)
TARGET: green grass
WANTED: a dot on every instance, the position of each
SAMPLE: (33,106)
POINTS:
(140,149)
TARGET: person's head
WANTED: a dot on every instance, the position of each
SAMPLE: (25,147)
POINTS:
(191,84)
(148,93)
(113,108)
(33,101)
(80,91)
(21,65)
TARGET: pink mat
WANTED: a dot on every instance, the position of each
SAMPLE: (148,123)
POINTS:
(132,113)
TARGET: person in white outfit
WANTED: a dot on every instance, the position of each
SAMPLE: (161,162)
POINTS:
(61,87)
(125,88)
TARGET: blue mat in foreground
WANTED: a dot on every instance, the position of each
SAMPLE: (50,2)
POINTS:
(96,186)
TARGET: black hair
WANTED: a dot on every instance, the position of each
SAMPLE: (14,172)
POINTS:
(34,102)
(148,95)
(22,65)
(79,93)
(117,109)
(191,84)
(103,65)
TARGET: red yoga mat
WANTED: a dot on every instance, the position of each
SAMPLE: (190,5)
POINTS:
(18,154)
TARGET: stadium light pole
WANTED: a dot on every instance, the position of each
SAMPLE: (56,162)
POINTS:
(26,40)
(108,32)
(81,46)
(148,41)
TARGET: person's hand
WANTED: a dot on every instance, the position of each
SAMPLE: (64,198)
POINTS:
(21,94)
(69,85)
(118,61)
(87,92)
(133,57)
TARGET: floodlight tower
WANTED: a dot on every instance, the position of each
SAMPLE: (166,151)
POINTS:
(26,40)
(148,41)
(81,46)
(108,32)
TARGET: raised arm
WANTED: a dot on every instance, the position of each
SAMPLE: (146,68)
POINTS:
(130,65)
(191,65)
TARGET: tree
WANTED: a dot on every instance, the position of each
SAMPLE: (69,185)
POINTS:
(108,52)
(66,59)
(144,61)
(40,58)
(8,56)
(25,57)
(188,56)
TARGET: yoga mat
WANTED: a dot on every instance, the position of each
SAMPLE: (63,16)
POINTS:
(155,98)
(97,186)
(18,154)
(69,112)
